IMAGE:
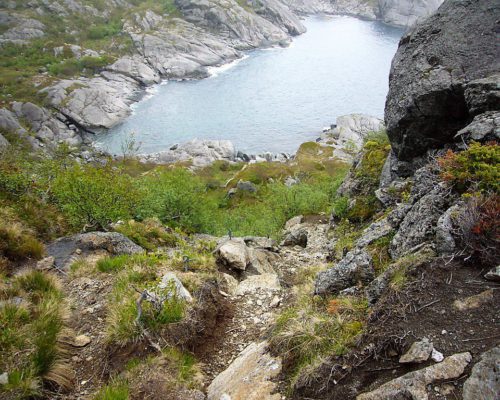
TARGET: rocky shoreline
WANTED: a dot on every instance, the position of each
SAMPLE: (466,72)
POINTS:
(165,47)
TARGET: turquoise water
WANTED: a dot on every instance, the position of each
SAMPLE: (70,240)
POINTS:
(274,99)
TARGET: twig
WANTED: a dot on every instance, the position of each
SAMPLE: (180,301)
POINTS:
(427,305)
(382,369)
(479,339)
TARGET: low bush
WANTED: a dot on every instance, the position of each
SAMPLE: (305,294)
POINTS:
(476,168)
(93,197)
(478,229)
(117,389)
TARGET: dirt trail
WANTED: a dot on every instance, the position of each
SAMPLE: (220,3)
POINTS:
(256,308)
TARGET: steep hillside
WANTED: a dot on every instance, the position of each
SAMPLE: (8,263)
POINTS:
(123,279)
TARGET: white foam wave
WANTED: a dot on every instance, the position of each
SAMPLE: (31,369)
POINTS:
(215,71)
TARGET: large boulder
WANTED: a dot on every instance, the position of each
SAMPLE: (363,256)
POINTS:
(433,87)
(356,267)
(233,254)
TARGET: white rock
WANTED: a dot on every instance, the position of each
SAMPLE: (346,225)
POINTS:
(437,356)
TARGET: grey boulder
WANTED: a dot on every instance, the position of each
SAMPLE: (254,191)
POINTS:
(356,267)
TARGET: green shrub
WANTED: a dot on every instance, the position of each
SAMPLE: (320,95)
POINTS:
(476,168)
(73,66)
(315,328)
(375,151)
(95,196)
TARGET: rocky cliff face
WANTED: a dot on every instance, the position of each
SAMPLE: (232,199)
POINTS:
(395,12)
(443,77)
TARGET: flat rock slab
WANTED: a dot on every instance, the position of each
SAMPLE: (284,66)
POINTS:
(64,249)
(266,282)
(249,377)
(413,385)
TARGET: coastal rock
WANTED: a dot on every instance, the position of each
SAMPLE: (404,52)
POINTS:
(406,12)
(350,132)
(183,51)
(48,130)
(427,103)
(248,377)
(279,14)
(94,103)
(356,267)
(414,384)
(241,28)
(199,152)
(484,381)
(135,67)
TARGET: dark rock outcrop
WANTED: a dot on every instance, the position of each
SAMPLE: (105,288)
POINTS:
(442,76)
(356,267)
(65,249)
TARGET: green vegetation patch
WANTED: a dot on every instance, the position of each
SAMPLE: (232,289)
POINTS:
(31,335)
(314,328)
(474,169)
